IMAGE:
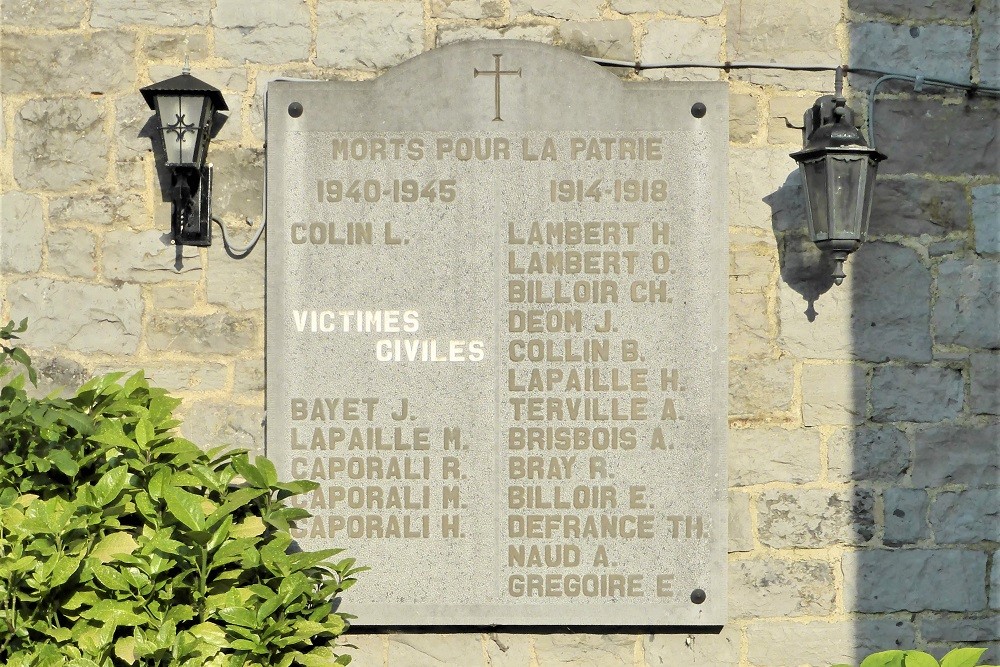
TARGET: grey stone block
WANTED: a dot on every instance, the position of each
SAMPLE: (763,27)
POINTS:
(815,518)
(236,282)
(81,317)
(936,51)
(59,144)
(914,580)
(918,206)
(96,62)
(681,41)
(574,10)
(759,388)
(508,650)
(585,650)
(939,151)
(436,650)
(740,528)
(180,13)
(773,587)
(986,217)
(262,32)
(238,188)
(966,517)
(366,650)
(915,9)
(758,456)
(967,310)
(833,394)
(880,454)
(599,39)
(220,333)
(953,454)
(467,9)
(905,516)
(824,643)
(114,208)
(694,649)
(72,252)
(56,374)
(209,424)
(50,13)
(988,15)
(916,393)
(749,325)
(697,8)
(366,34)
(190,42)
(743,118)
(751,269)
(248,376)
(448,34)
(949,629)
(22,227)
(984,389)
(147,257)
(995,581)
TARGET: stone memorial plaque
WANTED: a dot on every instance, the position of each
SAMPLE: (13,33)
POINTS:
(496,337)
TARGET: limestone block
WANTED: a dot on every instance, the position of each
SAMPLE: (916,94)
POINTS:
(56,374)
(785,119)
(176,377)
(822,643)
(986,217)
(292,70)
(882,580)
(905,516)
(97,62)
(585,650)
(988,14)
(916,393)
(366,34)
(173,296)
(436,650)
(209,424)
(914,9)
(447,34)
(937,51)
(72,252)
(681,41)
(190,42)
(219,333)
(135,128)
(60,143)
(759,456)
(22,227)
(870,454)
(833,394)
(697,649)
(78,316)
(262,32)
(943,248)
(598,39)
(113,208)
(984,390)
(508,650)
(49,13)
(758,193)
(226,79)
(968,305)
(749,327)
(938,151)
(148,257)
(870,321)
(742,118)
(938,628)
(966,517)
(918,206)
(995,581)
(236,283)
(467,9)
(772,587)
(759,388)
(366,650)
(815,518)
(953,454)
(113,13)
(740,528)
(751,270)
(574,10)
(697,8)
(249,375)
(801,32)
(238,188)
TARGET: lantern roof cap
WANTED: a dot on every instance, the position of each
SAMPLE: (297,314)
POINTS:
(184,83)
(829,127)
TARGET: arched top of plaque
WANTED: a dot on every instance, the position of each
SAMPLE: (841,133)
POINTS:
(497,85)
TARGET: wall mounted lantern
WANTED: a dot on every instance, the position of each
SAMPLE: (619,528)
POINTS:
(838,173)
(185,107)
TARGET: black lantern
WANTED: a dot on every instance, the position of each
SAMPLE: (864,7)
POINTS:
(185,107)
(838,173)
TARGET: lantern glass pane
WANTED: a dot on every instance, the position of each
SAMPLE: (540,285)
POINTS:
(191,108)
(815,177)
(180,121)
(845,174)
(869,194)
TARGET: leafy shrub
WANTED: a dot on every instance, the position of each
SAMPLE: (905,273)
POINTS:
(122,543)
(960,657)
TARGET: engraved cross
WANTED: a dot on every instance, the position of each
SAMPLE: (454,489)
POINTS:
(496,85)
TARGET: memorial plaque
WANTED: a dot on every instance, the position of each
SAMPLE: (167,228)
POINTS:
(496,337)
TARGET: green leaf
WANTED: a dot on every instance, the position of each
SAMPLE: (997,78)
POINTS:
(268,470)
(111,612)
(919,659)
(144,432)
(125,649)
(113,545)
(884,659)
(64,462)
(963,657)
(238,616)
(210,633)
(110,577)
(110,485)
(110,432)
(185,506)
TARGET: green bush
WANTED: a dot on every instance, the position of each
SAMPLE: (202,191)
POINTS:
(122,543)
(960,657)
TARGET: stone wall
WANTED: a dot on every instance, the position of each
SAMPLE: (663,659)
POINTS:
(864,418)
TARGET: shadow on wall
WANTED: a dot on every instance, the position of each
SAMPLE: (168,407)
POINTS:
(913,336)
